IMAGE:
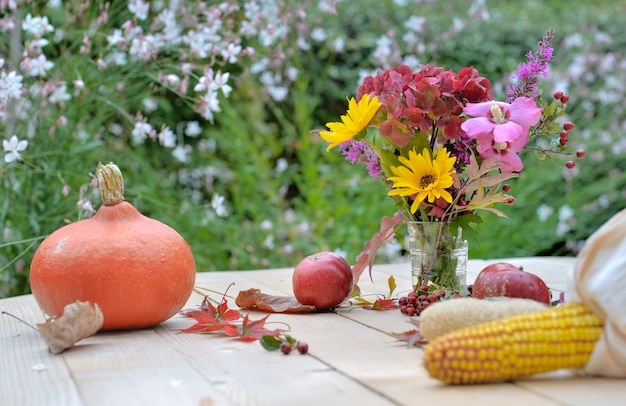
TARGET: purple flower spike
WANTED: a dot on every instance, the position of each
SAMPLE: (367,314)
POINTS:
(362,152)
(528,73)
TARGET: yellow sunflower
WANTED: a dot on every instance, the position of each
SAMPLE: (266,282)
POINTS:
(353,122)
(423,178)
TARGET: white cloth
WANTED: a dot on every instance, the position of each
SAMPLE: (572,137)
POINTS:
(599,281)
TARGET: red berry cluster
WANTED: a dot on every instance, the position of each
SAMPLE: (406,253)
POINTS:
(286,347)
(285,343)
(568,126)
(414,303)
(506,188)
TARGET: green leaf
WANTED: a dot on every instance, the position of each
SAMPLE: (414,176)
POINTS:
(356,292)
(362,301)
(291,340)
(270,343)
(467,223)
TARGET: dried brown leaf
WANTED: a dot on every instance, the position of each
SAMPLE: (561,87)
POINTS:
(80,320)
(480,175)
(254,299)
(477,171)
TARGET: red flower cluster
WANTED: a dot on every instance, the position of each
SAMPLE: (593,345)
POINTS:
(431,98)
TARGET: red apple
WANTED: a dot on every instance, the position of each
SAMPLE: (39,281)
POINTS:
(323,280)
(505,279)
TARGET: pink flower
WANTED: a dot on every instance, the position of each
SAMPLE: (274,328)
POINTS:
(505,122)
(505,152)
(501,129)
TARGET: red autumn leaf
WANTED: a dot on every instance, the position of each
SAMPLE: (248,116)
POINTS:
(222,320)
(250,330)
(412,337)
(210,318)
(388,227)
(221,312)
(204,322)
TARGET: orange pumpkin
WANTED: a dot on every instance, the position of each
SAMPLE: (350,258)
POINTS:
(138,270)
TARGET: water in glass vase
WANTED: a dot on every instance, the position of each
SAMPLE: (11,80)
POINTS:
(438,257)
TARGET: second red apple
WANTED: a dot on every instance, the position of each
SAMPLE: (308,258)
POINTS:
(505,279)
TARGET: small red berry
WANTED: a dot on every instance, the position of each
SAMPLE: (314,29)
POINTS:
(564,99)
(303,348)
(568,126)
(510,200)
(285,347)
(563,141)
(558,94)
(580,153)
(570,164)
(563,134)
(506,188)
(424,288)
(411,311)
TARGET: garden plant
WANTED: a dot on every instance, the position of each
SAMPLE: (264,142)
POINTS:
(207,107)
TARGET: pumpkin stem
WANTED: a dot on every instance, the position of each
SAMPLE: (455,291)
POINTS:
(110,183)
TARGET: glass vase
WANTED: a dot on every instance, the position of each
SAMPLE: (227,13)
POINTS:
(438,257)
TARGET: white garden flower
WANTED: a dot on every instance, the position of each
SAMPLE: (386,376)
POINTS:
(37,26)
(208,104)
(181,153)
(10,86)
(231,52)
(544,211)
(139,8)
(218,204)
(220,82)
(141,131)
(60,95)
(193,129)
(167,138)
(13,147)
(37,67)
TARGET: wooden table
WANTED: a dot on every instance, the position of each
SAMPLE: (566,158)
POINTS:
(352,359)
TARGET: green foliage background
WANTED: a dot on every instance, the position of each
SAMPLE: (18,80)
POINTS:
(321,202)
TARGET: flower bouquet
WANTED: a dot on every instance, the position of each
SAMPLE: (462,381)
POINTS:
(444,147)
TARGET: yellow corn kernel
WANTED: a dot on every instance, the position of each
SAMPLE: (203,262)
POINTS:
(519,346)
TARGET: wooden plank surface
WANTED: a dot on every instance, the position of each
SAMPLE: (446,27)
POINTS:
(26,365)
(353,358)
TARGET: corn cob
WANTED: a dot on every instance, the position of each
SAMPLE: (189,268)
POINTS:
(515,347)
